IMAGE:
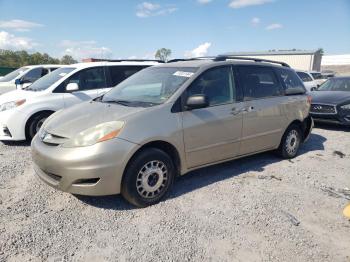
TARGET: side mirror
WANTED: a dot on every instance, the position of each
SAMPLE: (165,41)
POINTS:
(71,87)
(18,81)
(196,102)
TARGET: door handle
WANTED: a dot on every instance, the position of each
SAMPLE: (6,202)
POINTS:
(242,110)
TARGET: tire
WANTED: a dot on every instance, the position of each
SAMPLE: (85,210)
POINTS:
(35,124)
(290,142)
(148,178)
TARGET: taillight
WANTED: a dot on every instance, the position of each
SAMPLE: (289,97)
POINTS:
(309,99)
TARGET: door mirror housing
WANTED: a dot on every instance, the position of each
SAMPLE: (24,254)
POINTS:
(71,87)
(18,81)
(196,102)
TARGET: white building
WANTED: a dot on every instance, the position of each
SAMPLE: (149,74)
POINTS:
(336,60)
(302,60)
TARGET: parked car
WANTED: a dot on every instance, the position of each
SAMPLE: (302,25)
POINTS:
(331,101)
(309,82)
(22,112)
(318,77)
(168,120)
(24,76)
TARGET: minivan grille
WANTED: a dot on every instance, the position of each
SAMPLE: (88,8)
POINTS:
(323,109)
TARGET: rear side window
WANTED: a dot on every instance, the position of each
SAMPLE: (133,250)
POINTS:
(259,82)
(120,73)
(290,79)
(305,77)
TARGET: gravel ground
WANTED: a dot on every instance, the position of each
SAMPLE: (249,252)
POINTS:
(260,208)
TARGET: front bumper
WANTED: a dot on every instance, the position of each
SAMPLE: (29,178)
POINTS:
(94,170)
(12,126)
(338,119)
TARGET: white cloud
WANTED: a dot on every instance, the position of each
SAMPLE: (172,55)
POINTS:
(255,21)
(12,42)
(203,2)
(274,26)
(147,9)
(244,3)
(85,49)
(19,25)
(201,50)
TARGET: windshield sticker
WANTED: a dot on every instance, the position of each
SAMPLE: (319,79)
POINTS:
(183,74)
(63,74)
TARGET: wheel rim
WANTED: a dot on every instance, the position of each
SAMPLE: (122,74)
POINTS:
(39,124)
(292,142)
(152,179)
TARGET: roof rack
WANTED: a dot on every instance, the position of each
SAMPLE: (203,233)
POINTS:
(191,59)
(226,57)
(127,60)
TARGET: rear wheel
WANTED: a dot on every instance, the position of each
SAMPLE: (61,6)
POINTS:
(35,124)
(290,143)
(148,177)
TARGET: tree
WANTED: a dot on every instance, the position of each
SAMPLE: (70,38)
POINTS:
(163,54)
(67,60)
(321,51)
(10,58)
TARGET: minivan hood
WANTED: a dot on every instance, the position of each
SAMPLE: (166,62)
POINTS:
(330,97)
(71,121)
(17,95)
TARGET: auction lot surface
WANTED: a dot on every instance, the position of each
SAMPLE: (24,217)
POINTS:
(259,208)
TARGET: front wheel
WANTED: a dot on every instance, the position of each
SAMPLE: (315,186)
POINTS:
(148,177)
(290,142)
(35,124)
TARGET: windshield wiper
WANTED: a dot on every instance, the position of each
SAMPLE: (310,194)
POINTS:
(120,102)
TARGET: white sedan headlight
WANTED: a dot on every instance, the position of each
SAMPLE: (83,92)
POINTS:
(12,104)
(347,107)
(97,134)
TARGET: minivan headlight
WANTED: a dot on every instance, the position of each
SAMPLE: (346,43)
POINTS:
(97,134)
(12,104)
(347,107)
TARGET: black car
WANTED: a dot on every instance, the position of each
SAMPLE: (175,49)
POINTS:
(331,101)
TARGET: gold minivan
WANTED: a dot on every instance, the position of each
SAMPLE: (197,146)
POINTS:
(170,119)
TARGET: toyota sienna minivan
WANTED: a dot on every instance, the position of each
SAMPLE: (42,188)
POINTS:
(170,119)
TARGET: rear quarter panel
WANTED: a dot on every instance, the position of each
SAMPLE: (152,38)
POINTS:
(296,108)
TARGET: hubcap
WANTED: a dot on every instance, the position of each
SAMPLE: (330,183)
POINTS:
(292,142)
(151,179)
(39,124)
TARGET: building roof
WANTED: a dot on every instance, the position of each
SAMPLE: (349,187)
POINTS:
(275,52)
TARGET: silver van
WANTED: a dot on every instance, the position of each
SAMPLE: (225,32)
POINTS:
(169,119)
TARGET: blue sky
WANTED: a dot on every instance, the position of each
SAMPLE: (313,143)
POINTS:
(128,29)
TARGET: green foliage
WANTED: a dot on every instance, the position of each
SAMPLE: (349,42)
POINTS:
(163,54)
(68,60)
(16,59)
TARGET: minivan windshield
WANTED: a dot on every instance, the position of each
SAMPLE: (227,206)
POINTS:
(11,76)
(336,84)
(49,79)
(151,86)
